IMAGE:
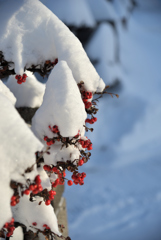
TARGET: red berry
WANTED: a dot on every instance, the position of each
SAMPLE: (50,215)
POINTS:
(47,202)
(46,226)
(45,138)
(13,198)
(81,162)
(31,187)
(27,192)
(70,183)
(54,169)
(34,223)
(38,179)
(13,203)
(6,225)
(40,188)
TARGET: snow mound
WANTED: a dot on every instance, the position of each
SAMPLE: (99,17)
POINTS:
(102,44)
(74,12)
(62,105)
(6,92)
(27,212)
(39,36)
(14,132)
(29,94)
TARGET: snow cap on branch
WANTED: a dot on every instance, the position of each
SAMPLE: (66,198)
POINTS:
(29,94)
(14,133)
(32,34)
(6,92)
(27,212)
(62,105)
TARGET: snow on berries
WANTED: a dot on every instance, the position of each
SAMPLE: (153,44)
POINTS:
(60,124)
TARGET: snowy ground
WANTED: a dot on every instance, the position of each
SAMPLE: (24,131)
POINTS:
(121,198)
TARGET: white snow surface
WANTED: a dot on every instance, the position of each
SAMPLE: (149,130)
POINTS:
(121,197)
(28,212)
(73,13)
(14,133)
(39,36)
(28,94)
(18,234)
(62,105)
(6,92)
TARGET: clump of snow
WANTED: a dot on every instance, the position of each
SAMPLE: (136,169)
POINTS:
(17,146)
(6,92)
(74,12)
(102,44)
(39,36)
(28,94)
(18,234)
(62,105)
(27,212)
(57,153)
(45,182)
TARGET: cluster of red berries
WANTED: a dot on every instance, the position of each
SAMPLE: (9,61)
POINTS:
(9,227)
(87,105)
(50,197)
(55,183)
(54,129)
(49,141)
(14,200)
(20,79)
(45,225)
(78,178)
(61,175)
(86,96)
(86,144)
(34,188)
(91,121)
(50,169)
(55,62)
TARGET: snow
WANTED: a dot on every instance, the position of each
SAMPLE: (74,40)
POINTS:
(29,94)
(62,105)
(6,92)
(121,195)
(73,13)
(39,36)
(13,132)
(28,212)
(18,234)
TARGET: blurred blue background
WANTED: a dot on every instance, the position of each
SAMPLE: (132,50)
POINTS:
(121,198)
